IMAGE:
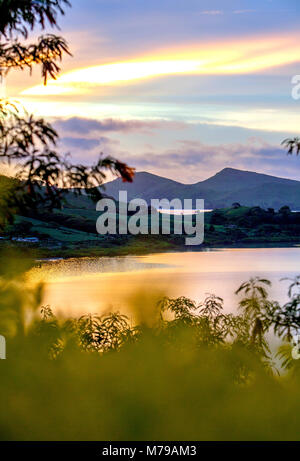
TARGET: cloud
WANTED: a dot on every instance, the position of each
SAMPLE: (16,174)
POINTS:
(87,126)
(78,125)
(195,154)
(244,11)
(87,150)
(80,143)
(233,56)
(188,160)
(192,161)
(212,12)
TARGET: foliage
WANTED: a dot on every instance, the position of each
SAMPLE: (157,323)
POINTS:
(27,142)
(23,15)
(292,145)
(186,370)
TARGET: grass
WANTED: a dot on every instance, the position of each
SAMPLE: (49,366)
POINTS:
(59,233)
(138,246)
(145,392)
(175,373)
(71,239)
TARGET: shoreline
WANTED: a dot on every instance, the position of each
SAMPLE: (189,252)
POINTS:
(127,251)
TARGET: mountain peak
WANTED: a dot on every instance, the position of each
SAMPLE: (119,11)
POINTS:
(231,171)
(224,188)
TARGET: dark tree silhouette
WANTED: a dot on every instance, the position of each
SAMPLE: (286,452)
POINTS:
(29,142)
(292,145)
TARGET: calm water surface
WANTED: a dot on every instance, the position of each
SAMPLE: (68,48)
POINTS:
(84,285)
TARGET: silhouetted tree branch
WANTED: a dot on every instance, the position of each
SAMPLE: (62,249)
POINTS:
(30,143)
(46,52)
(20,16)
(292,145)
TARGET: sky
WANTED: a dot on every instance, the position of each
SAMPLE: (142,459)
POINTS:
(179,88)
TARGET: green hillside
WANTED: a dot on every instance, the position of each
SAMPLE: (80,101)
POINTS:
(71,231)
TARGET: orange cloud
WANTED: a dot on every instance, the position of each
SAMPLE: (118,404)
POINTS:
(231,57)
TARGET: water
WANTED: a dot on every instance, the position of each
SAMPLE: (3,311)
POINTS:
(181,211)
(98,285)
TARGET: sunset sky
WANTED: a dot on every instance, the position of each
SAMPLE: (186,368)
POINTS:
(180,88)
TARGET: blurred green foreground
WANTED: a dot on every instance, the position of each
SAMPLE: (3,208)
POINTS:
(181,372)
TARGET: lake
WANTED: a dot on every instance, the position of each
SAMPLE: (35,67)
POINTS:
(98,285)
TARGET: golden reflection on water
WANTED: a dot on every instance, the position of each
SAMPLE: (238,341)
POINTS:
(78,286)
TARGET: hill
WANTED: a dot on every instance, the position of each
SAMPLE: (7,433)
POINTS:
(221,190)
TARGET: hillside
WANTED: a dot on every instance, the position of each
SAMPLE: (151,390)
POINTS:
(221,190)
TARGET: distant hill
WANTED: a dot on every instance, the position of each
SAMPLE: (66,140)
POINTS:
(221,190)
